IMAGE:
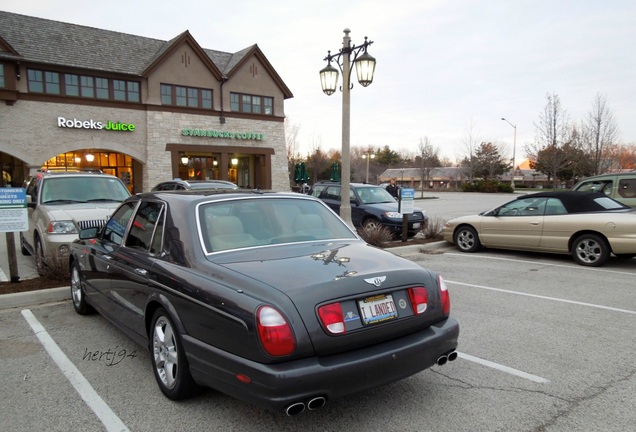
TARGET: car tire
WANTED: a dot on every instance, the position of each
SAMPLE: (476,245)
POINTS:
(466,239)
(590,250)
(169,362)
(23,247)
(39,256)
(78,294)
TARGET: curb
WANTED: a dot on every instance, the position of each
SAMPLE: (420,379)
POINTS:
(405,251)
(30,298)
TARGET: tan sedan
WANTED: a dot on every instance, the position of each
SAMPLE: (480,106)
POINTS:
(588,225)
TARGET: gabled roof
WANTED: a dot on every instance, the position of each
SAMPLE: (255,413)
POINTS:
(240,58)
(51,42)
(174,44)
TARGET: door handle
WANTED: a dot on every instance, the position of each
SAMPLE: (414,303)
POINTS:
(141,272)
(107,257)
(534,223)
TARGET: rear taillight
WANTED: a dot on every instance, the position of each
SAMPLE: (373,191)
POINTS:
(419,299)
(331,316)
(274,332)
(445,297)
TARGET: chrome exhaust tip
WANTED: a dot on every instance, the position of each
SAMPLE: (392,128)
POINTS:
(316,403)
(452,356)
(442,360)
(295,409)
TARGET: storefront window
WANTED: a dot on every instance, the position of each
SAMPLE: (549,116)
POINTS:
(117,164)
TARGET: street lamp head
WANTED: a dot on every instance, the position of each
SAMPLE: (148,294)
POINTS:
(329,79)
(365,68)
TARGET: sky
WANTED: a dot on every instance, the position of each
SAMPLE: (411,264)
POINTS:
(444,68)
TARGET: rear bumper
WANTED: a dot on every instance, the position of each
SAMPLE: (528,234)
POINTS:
(276,386)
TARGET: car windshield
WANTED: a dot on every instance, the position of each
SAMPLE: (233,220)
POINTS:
(259,221)
(82,189)
(374,195)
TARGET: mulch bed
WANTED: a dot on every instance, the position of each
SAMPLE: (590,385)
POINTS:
(31,285)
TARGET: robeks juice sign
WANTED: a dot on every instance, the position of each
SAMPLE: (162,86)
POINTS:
(92,124)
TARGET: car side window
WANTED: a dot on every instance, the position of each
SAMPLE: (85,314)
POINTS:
(116,226)
(627,188)
(317,191)
(333,193)
(523,207)
(604,186)
(555,207)
(32,189)
(144,226)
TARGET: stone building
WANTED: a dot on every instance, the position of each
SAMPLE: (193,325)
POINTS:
(145,110)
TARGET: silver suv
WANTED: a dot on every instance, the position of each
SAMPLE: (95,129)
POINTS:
(60,204)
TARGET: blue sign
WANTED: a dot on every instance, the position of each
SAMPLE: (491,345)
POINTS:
(407,199)
(13,210)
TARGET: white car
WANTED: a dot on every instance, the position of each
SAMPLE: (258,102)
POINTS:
(60,204)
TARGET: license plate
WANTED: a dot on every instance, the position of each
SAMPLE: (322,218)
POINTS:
(416,225)
(377,309)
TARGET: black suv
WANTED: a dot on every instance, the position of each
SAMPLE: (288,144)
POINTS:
(370,205)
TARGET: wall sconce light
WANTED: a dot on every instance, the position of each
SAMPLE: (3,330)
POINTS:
(215,162)
(78,159)
(90,157)
(184,160)
(234,161)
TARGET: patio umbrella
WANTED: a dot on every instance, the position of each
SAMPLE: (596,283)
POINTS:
(334,173)
(303,176)
(297,174)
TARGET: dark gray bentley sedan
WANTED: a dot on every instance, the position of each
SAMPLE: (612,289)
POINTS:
(267,297)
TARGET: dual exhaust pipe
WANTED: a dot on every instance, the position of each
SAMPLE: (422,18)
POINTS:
(320,401)
(451,356)
(298,407)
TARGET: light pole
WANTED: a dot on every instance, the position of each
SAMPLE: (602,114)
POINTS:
(365,67)
(368,155)
(514,147)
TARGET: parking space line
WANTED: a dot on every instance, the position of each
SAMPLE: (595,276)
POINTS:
(597,306)
(503,368)
(571,267)
(81,384)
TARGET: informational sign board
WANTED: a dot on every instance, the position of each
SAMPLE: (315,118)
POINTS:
(13,210)
(407,200)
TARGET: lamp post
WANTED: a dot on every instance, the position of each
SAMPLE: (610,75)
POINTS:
(368,155)
(365,67)
(514,147)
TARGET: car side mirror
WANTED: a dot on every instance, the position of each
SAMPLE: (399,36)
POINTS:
(29,200)
(353,201)
(88,233)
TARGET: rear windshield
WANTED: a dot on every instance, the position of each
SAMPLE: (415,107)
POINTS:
(242,223)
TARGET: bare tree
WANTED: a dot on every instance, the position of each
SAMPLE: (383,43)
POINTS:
(552,133)
(470,143)
(317,160)
(428,156)
(292,144)
(601,132)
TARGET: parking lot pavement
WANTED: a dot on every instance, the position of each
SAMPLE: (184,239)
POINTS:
(544,345)
(26,264)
